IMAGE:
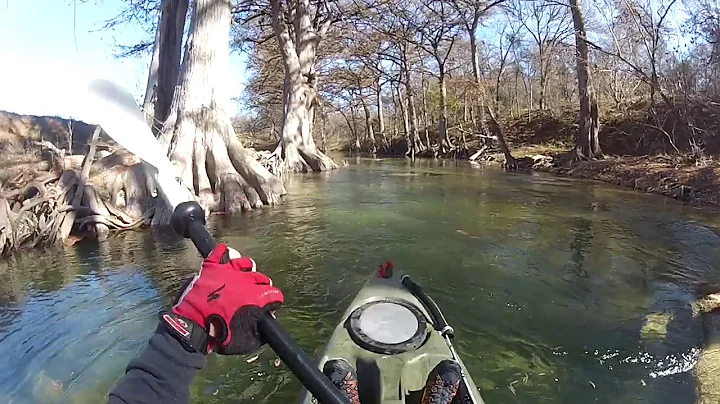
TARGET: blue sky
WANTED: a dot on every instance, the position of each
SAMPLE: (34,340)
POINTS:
(44,59)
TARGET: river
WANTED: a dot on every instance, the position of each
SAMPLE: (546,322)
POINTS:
(548,282)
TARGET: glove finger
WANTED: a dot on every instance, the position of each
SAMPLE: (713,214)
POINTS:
(260,279)
(216,255)
(245,264)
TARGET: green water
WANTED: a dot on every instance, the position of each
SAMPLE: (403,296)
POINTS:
(547,281)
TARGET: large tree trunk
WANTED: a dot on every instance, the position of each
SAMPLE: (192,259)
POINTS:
(152,81)
(543,85)
(353,114)
(443,137)
(381,117)
(406,122)
(210,158)
(165,63)
(426,121)
(472,30)
(587,144)
(395,115)
(415,143)
(369,131)
(381,113)
(298,149)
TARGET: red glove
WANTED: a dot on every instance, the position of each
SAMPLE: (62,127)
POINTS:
(229,294)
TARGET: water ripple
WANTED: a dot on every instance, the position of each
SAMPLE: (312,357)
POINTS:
(530,270)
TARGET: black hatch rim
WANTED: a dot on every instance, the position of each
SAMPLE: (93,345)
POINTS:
(364,341)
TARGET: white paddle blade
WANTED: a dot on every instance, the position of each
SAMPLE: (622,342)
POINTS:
(114,109)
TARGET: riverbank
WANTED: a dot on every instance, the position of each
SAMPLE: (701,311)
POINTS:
(676,177)
(638,155)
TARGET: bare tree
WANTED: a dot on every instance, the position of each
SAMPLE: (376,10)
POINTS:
(299,31)
(438,31)
(546,22)
(507,39)
(471,13)
(643,23)
(397,21)
(210,158)
(587,144)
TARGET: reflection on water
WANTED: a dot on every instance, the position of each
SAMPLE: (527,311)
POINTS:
(548,281)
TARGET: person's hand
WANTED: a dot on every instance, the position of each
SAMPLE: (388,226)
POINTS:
(219,309)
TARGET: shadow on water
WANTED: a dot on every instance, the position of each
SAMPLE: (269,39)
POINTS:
(550,283)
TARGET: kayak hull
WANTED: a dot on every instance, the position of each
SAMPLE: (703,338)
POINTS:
(386,375)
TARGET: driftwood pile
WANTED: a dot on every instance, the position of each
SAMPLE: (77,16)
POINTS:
(269,159)
(58,206)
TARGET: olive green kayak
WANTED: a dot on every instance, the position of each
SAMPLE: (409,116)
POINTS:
(391,339)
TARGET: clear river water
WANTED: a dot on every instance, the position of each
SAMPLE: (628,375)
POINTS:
(548,282)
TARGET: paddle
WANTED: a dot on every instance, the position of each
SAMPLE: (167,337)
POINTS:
(441,325)
(115,110)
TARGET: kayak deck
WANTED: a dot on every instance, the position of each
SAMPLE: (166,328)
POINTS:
(388,373)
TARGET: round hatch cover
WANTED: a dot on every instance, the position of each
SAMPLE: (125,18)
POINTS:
(387,327)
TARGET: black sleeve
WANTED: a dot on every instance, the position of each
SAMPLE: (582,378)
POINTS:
(161,374)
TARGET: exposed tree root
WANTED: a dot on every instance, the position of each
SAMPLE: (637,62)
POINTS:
(317,160)
(304,159)
(223,174)
(49,198)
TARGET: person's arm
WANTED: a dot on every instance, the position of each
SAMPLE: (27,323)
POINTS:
(161,374)
(217,311)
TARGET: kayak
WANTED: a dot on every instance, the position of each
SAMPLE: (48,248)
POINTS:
(393,335)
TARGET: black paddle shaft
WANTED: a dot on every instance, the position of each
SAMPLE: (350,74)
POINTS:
(188,220)
(439,321)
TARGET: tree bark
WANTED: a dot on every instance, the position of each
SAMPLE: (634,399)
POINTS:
(426,121)
(587,144)
(395,111)
(298,149)
(406,121)
(415,143)
(152,81)
(543,81)
(369,131)
(381,117)
(353,114)
(210,158)
(472,30)
(165,63)
(443,137)
(381,113)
